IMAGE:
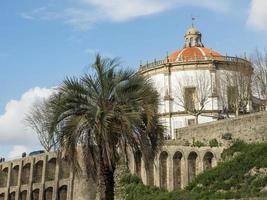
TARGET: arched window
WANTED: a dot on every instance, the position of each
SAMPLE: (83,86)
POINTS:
(207,160)
(192,166)
(25,174)
(64,171)
(48,194)
(177,170)
(163,169)
(191,42)
(51,169)
(2,196)
(12,196)
(23,195)
(35,194)
(38,172)
(138,161)
(62,193)
(14,176)
(3,177)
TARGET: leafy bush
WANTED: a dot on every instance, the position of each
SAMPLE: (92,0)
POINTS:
(238,146)
(227,136)
(198,144)
(213,143)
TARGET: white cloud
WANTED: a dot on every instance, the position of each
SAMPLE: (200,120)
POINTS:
(84,13)
(258,15)
(13,130)
(17,151)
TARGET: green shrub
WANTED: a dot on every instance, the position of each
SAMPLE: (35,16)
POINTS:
(229,179)
(227,136)
(198,144)
(213,143)
(237,146)
(131,179)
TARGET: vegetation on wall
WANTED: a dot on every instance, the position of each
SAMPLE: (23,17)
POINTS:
(213,143)
(197,143)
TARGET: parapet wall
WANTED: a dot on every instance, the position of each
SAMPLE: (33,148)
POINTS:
(249,128)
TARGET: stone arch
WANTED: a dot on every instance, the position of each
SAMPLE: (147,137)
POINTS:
(63,192)
(2,196)
(35,194)
(38,172)
(163,168)
(51,169)
(177,172)
(208,160)
(64,171)
(192,165)
(12,196)
(23,195)
(3,177)
(138,162)
(25,174)
(48,194)
(14,176)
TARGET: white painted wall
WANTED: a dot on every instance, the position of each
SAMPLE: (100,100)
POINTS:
(173,85)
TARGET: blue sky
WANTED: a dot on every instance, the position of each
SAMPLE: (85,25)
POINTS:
(43,41)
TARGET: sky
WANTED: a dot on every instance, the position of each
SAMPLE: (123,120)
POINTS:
(44,41)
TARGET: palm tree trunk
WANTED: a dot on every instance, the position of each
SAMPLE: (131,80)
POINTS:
(106,181)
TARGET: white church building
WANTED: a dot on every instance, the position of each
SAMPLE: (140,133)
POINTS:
(197,84)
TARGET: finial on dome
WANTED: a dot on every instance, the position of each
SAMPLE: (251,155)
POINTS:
(193,21)
(193,36)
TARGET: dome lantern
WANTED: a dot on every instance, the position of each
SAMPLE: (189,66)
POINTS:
(193,38)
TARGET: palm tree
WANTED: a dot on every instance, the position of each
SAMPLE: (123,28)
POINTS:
(107,113)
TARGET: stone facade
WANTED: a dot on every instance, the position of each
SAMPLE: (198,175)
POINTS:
(42,177)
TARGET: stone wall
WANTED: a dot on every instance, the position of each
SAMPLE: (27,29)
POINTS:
(249,128)
(43,177)
(175,166)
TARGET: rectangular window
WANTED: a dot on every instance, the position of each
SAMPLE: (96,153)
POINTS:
(189,98)
(232,97)
(191,122)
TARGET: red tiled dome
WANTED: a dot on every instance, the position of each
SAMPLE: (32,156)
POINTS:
(194,53)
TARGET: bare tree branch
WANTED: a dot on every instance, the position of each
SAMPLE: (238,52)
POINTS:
(195,104)
(259,84)
(38,120)
(235,91)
